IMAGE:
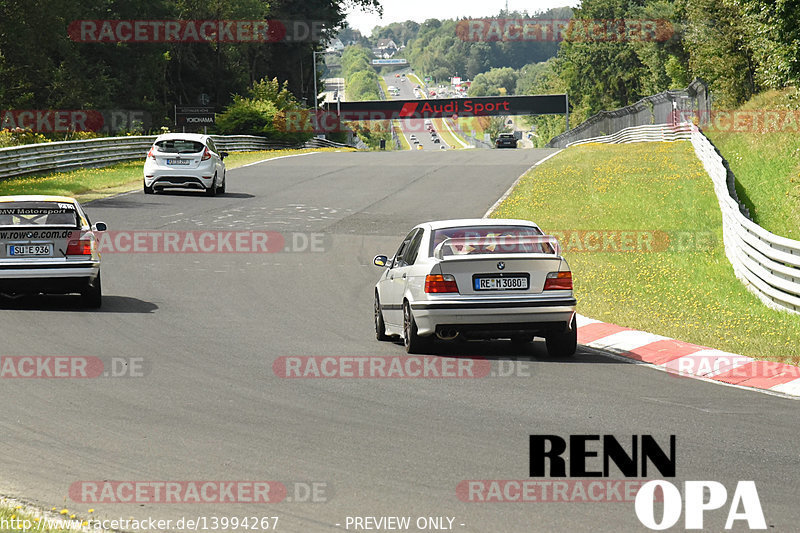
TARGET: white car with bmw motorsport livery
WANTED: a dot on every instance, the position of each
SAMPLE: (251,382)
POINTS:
(47,245)
(185,161)
(476,279)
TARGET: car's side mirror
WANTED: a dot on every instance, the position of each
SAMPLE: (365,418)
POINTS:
(380,260)
(223,155)
(100,226)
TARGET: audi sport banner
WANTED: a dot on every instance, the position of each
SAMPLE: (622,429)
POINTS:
(550,104)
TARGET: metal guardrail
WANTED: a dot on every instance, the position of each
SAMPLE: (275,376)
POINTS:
(651,133)
(69,155)
(767,264)
(657,109)
(318,142)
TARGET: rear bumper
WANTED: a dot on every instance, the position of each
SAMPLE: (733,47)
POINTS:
(180,182)
(53,278)
(177,177)
(489,317)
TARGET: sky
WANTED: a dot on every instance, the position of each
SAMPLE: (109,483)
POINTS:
(420,10)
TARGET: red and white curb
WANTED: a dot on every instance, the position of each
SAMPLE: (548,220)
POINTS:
(689,360)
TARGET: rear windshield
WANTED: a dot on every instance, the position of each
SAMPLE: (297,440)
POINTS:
(487,240)
(180,146)
(15,214)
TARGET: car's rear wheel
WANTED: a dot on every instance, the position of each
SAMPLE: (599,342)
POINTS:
(212,191)
(380,325)
(92,295)
(412,341)
(149,190)
(221,189)
(563,343)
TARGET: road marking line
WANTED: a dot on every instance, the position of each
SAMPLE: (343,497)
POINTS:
(793,387)
(272,159)
(456,137)
(508,192)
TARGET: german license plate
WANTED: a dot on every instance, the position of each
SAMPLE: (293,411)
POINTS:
(30,250)
(501,284)
(178,161)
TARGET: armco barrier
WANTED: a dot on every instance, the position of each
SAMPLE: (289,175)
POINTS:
(652,110)
(649,133)
(768,265)
(69,155)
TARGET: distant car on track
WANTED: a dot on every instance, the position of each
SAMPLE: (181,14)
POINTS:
(505,140)
(185,161)
(47,245)
(476,279)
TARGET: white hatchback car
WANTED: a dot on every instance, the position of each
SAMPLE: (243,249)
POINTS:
(48,245)
(185,161)
(476,279)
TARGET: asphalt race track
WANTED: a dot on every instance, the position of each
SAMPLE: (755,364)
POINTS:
(414,126)
(209,326)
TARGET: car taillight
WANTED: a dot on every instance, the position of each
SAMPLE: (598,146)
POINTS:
(440,283)
(558,281)
(150,154)
(206,154)
(79,247)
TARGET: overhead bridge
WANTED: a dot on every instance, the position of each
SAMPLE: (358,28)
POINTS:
(548,104)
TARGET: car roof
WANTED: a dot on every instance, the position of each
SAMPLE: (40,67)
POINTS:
(199,137)
(37,198)
(471,222)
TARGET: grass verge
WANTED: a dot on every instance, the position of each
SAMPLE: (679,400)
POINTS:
(766,162)
(685,289)
(404,144)
(15,518)
(445,134)
(415,79)
(382,83)
(476,124)
(92,183)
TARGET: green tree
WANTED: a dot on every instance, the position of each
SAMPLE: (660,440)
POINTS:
(719,49)
(490,83)
(263,112)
